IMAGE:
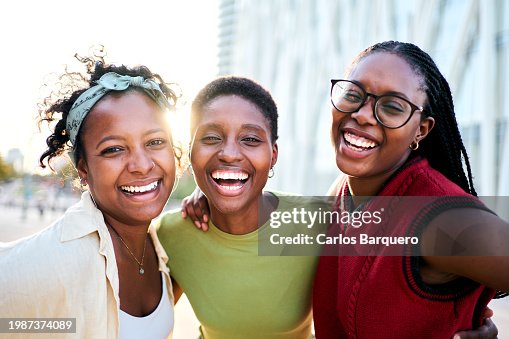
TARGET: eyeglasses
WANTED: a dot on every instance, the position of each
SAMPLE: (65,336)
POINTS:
(390,110)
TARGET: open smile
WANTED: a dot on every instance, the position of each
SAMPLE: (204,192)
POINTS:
(230,181)
(358,142)
(138,190)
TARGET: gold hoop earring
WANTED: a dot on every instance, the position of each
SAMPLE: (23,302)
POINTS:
(414,145)
(271,172)
(83,183)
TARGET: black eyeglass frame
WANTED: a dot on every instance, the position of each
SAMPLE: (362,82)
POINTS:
(376,98)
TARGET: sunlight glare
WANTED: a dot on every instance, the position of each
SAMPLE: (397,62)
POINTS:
(186,55)
(179,124)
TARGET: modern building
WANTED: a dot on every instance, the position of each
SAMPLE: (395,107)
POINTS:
(294,47)
(15,158)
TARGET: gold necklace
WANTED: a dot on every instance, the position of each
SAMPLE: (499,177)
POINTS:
(141,271)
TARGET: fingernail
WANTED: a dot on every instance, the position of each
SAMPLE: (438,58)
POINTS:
(197,223)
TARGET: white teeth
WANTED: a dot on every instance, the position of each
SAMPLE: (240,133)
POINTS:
(359,141)
(232,188)
(140,189)
(230,175)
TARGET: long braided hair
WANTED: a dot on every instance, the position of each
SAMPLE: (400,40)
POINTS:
(443,146)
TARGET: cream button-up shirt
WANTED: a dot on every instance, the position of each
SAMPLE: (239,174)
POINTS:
(67,270)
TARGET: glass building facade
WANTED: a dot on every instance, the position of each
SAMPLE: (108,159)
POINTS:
(294,47)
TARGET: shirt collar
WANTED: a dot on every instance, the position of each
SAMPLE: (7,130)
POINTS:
(161,253)
(82,219)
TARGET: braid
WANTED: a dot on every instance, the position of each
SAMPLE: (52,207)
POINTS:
(443,146)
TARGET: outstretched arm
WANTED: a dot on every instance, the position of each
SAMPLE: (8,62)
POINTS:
(473,244)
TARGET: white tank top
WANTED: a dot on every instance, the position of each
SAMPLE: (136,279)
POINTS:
(158,324)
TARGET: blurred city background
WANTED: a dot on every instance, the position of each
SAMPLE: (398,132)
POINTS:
(292,47)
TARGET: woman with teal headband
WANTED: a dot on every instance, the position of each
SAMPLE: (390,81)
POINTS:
(100,263)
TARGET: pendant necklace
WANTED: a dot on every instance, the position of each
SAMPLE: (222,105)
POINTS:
(141,271)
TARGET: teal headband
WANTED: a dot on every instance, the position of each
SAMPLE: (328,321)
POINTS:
(109,82)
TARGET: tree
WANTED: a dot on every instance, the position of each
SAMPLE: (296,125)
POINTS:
(6,170)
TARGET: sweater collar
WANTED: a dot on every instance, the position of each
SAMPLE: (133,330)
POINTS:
(391,185)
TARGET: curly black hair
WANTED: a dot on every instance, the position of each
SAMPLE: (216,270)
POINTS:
(70,85)
(243,87)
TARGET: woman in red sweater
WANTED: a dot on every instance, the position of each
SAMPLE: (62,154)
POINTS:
(395,134)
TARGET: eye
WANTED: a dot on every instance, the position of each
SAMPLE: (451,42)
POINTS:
(251,141)
(210,139)
(111,150)
(393,105)
(352,96)
(157,142)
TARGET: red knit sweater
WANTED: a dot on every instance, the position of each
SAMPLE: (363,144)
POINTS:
(383,296)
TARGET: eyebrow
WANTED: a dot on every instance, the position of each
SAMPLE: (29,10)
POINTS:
(211,125)
(119,137)
(254,127)
(396,93)
(215,125)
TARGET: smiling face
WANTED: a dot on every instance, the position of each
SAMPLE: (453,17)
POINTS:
(232,154)
(366,150)
(129,162)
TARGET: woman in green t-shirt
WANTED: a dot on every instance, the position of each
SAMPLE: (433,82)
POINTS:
(234,292)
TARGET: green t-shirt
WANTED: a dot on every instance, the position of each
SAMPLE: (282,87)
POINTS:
(235,293)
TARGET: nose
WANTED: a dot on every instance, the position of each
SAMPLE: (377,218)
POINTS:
(230,152)
(366,114)
(140,161)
